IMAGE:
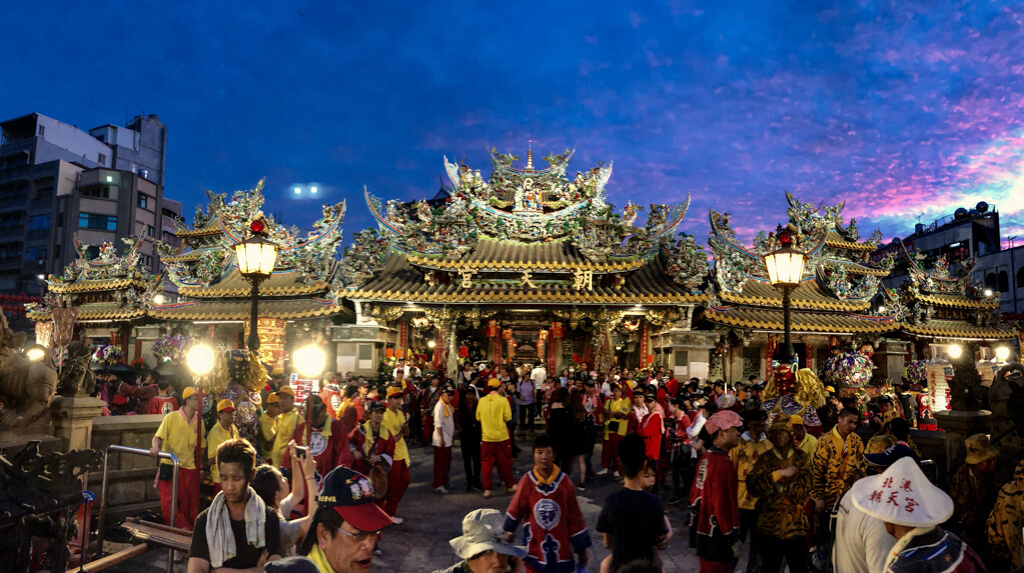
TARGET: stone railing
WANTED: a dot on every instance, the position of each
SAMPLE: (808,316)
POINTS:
(130,488)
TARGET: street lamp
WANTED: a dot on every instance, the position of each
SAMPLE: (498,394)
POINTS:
(35,352)
(785,269)
(255,257)
(309,361)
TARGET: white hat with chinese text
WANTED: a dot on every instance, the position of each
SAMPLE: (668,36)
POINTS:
(902,495)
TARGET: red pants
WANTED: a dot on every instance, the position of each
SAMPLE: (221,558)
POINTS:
(708,566)
(398,482)
(188,499)
(610,452)
(500,454)
(442,464)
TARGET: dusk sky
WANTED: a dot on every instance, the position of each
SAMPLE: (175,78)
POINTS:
(903,110)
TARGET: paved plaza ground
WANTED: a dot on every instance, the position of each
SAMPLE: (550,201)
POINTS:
(421,542)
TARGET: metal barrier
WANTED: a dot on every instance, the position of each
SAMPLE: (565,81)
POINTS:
(103,493)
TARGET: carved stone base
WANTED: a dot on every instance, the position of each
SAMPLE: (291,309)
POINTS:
(958,427)
(72,421)
(12,441)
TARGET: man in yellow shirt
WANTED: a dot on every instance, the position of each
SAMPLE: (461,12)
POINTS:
(221,432)
(752,444)
(286,422)
(616,411)
(801,439)
(397,424)
(496,446)
(267,430)
(177,435)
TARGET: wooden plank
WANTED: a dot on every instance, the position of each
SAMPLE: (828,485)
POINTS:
(160,526)
(113,559)
(155,537)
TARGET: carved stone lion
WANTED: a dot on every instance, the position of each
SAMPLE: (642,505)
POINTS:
(26,387)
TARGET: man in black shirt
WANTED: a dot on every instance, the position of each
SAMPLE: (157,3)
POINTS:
(633,520)
(221,535)
(470,434)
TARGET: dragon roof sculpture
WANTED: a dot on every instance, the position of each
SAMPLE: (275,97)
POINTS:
(526,205)
(836,258)
(208,257)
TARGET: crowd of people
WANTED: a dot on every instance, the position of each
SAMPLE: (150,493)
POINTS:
(853,498)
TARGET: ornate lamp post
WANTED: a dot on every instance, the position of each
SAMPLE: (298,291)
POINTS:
(785,269)
(255,257)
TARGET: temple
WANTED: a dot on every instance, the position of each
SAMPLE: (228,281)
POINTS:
(212,293)
(109,295)
(467,274)
(832,305)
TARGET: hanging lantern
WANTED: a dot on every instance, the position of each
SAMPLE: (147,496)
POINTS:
(542,335)
(464,351)
(492,328)
(507,334)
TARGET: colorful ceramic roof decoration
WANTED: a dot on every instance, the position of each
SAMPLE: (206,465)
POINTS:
(941,304)
(835,293)
(105,288)
(210,287)
(524,235)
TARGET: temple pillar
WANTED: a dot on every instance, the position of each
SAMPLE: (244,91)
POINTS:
(890,358)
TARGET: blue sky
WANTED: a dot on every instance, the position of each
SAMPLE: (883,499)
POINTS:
(901,109)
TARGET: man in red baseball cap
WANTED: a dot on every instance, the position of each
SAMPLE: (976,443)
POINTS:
(346,525)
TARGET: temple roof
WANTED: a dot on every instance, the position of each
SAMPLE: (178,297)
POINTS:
(525,205)
(956,329)
(489,254)
(291,309)
(809,295)
(107,287)
(401,282)
(801,321)
(234,285)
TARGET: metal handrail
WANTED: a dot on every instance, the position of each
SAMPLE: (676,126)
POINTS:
(103,493)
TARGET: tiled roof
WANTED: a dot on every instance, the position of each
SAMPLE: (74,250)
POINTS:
(96,311)
(505,255)
(956,329)
(399,281)
(234,285)
(224,310)
(809,295)
(834,239)
(958,301)
(801,321)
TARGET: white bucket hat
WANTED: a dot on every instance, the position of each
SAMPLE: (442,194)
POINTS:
(481,531)
(902,495)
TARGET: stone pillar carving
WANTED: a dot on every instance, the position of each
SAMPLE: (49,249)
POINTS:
(890,357)
(958,426)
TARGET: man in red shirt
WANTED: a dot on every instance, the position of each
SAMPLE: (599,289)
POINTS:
(163,402)
(328,442)
(715,495)
(672,386)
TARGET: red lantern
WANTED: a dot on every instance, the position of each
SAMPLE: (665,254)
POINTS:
(492,329)
(507,334)
(464,351)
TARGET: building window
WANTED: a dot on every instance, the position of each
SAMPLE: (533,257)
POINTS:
(143,201)
(147,260)
(150,231)
(103,159)
(39,222)
(94,221)
(99,192)
(990,281)
(36,255)
(1004,282)
(42,131)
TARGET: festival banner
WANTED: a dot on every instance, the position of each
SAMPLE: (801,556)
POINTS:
(403,334)
(769,354)
(645,342)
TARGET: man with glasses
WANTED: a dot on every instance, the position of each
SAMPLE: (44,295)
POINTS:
(346,525)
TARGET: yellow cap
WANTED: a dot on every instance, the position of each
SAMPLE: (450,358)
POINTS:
(272,399)
(796,420)
(188,392)
(225,405)
(394,391)
(287,390)
(830,389)
(493,383)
